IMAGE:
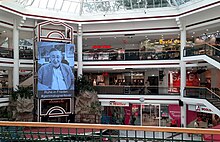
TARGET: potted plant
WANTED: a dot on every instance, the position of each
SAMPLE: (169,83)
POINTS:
(22,103)
(87,106)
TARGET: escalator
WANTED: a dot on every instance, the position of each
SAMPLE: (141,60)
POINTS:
(202,96)
(26,80)
(203,52)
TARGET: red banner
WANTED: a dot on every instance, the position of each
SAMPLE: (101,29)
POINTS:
(174,81)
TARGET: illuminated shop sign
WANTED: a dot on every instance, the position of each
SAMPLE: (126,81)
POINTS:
(101,46)
(203,109)
(176,41)
(113,103)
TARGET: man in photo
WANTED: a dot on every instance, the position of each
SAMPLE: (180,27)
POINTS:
(55,75)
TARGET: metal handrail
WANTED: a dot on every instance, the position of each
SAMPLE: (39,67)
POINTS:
(110,127)
(199,93)
(36,131)
(198,47)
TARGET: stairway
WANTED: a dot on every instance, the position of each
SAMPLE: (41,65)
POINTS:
(203,96)
(203,52)
(27,80)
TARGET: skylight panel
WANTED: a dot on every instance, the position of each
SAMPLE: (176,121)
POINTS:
(58,4)
(51,4)
(43,4)
(36,3)
(29,2)
(66,5)
(73,7)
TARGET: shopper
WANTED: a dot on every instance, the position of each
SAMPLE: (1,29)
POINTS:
(173,123)
(133,119)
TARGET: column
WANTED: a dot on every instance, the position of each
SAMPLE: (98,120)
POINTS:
(16,55)
(182,87)
(183,76)
(183,41)
(79,50)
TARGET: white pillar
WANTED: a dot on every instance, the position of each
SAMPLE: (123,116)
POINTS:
(16,55)
(183,76)
(79,50)
(183,41)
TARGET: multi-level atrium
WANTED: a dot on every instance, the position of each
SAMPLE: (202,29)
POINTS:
(151,61)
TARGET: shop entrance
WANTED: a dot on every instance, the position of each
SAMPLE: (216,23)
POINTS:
(153,84)
(151,115)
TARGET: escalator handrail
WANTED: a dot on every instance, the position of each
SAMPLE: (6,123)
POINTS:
(207,89)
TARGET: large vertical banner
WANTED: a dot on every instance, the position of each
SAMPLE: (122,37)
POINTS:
(55,70)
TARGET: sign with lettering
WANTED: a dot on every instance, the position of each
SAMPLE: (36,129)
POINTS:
(203,109)
(113,103)
(55,106)
(101,46)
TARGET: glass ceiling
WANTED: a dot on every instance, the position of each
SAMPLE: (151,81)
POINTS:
(98,6)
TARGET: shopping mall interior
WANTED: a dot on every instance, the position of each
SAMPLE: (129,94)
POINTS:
(150,61)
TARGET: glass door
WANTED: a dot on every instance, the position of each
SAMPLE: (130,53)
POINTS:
(151,115)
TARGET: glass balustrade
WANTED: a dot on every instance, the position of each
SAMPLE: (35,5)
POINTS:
(203,93)
(106,56)
(203,49)
(137,90)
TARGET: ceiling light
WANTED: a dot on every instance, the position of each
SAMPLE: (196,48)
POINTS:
(4,31)
(194,32)
(207,30)
(217,31)
(22,21)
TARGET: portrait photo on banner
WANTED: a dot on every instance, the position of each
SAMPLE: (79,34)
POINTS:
(55,69)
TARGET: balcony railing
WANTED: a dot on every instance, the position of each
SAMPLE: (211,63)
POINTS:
(106,56)
(203,93)
(203,49)
(131,55)
(6,53)
(34,131)
(5,91)
(137,90)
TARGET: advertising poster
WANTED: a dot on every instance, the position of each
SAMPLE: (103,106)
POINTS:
(174,81)
(55,70)
(174,113)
